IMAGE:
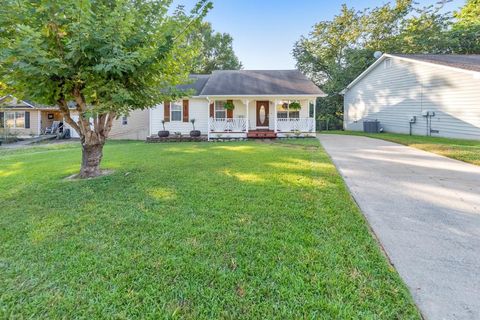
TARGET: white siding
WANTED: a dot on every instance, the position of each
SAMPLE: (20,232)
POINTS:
(198,110)
(392,95)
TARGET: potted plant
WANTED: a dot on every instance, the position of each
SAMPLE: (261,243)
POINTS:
(194,133)
(295,105)
(163,133)
(229,105)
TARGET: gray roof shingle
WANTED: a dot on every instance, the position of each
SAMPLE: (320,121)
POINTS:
(197,84)
(462,61)
(259,82)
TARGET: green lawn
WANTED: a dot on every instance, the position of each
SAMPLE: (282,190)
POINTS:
(460,149)
(247,230)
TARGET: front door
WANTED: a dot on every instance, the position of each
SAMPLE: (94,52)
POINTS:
(262,113)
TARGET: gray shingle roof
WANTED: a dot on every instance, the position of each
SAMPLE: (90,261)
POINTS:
(253,82)
(462,61)
(259,82)
(198,82)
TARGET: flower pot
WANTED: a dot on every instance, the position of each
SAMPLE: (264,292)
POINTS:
(163,133)
(195,133)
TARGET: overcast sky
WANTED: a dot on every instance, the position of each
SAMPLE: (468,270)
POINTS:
(264,31)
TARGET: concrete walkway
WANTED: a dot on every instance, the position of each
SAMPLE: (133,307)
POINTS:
(425,210)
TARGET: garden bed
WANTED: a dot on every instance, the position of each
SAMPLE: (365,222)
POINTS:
(157,139)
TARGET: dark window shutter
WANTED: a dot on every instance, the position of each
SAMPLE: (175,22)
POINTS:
(27,119)
(2,119)
(185,110)
(229,112)
(212,110)
(166,111)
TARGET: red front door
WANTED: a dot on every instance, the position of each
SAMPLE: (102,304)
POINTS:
(262,113)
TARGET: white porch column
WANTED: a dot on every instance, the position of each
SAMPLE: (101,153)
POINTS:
(314,115)
(246,102)
(39,123)
(275,102)
(208,125)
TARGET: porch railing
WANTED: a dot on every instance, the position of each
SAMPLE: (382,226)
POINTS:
(227,125)
(296,124)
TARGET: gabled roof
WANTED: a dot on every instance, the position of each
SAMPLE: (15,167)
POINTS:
(466,63)
(10,102)
(253,83)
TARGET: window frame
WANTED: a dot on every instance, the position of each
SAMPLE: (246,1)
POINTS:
(124,120)
(180,106)
(5,119)
(287,110)
(221,107)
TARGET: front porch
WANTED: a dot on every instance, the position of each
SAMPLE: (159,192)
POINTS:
(260,118)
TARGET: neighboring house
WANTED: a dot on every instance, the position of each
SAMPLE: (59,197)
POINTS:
(261,100)
(26,119)
(437,95)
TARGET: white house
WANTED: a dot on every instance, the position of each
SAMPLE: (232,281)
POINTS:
(437,95)
(261,100)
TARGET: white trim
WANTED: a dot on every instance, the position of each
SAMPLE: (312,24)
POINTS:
(171,110)
(39,122)
(386,55)
(14,119)
(280,96)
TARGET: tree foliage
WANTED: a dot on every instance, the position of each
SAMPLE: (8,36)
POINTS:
(338,50)
(107,56)
(216,51)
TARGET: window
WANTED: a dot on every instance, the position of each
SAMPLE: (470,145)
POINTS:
(220,111)
(175,112)
(15,120)
(283,112)
(124,120)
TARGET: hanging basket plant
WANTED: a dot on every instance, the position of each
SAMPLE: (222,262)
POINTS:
(295,105)
(285,106)
(229,105)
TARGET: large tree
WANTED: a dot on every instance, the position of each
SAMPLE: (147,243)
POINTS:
(338,50)
(216,51)
(466,30)
(98,58)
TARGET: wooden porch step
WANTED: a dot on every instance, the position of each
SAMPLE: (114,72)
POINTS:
(261,134)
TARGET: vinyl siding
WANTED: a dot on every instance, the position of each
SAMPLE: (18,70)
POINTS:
(200,111)
(34,129)
(393,95)
(135,129)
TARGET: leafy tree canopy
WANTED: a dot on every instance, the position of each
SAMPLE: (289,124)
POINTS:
(216,51)
(108,56)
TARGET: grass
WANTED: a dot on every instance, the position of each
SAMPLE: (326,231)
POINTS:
(245,230)
(460,149)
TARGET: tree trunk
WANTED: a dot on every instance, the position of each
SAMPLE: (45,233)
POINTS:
(91,157)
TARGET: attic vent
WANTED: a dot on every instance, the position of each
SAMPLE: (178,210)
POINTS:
(387,63)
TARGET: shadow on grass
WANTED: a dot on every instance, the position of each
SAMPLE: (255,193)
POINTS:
(234,230)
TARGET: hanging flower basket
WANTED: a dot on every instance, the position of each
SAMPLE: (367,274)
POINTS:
(229,105)
(295,106)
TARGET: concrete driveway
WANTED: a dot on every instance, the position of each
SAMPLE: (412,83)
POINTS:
(425,210)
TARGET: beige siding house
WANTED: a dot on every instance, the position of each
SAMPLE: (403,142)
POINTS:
(437,95)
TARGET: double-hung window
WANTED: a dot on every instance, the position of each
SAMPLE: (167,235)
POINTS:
(15,120)
(284,112)
(220,111)
(175,112)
